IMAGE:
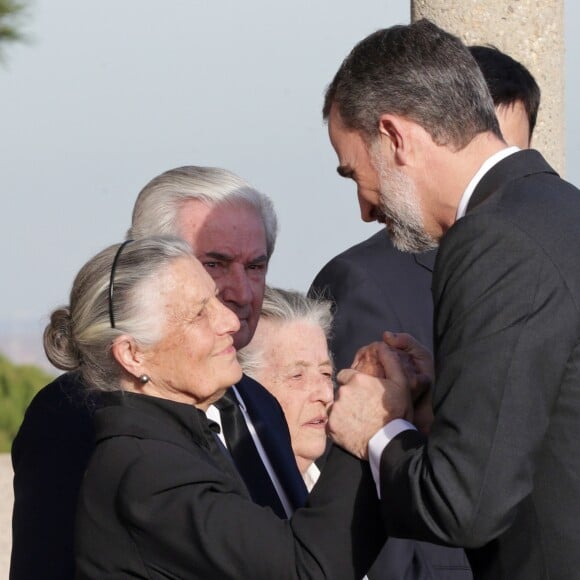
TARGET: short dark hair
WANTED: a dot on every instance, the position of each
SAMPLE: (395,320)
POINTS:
(418,71)
(508,81)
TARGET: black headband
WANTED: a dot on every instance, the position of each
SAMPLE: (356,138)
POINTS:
(112,281)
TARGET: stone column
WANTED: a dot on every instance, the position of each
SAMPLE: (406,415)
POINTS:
(532,32)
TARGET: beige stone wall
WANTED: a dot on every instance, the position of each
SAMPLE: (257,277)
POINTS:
(531,31)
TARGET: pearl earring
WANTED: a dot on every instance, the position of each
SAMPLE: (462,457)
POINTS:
(143,379)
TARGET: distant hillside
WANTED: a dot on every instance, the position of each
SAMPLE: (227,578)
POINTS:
(18,385)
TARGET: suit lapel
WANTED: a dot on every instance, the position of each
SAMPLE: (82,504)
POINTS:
(270,424)
(426,259)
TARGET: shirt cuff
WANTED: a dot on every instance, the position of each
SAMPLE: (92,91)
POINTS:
(378,443)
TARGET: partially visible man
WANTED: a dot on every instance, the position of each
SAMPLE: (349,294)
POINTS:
(409,103)
(515,93)
(376,287)
(232,229)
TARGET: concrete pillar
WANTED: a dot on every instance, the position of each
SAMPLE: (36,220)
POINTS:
(532,32)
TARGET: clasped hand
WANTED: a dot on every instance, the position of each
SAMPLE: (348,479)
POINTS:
(387,380)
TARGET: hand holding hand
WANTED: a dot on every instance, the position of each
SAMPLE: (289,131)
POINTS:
(418,357)
(412,366)
(364,403)
(420,375)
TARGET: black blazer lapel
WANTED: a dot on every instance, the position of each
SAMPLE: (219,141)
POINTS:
(268,419)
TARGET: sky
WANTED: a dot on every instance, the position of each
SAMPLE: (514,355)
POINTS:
(105,95)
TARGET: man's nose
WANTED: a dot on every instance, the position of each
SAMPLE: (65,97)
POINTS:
(238,288)
(367,210)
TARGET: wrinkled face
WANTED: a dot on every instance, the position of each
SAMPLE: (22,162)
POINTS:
(514,124)
(385,194)
(296,369)
(195,360)
(230,241)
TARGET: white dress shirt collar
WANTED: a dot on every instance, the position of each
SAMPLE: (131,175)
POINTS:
(310,476)
(487,165)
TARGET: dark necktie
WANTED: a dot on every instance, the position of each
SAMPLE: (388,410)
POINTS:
(245,455)
(223,457)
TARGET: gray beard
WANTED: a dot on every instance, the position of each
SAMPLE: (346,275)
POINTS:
(400,209)
(408,238)
(403,218)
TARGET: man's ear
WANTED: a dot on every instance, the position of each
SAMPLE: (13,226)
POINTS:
(127,354)
(395,134)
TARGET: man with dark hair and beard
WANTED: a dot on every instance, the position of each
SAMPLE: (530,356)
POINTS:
(376,287)
(413,124)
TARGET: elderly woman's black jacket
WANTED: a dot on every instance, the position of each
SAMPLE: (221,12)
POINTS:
(161,499)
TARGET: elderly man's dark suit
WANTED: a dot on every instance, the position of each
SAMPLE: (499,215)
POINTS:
(500,473)
(374,288)
(52,449)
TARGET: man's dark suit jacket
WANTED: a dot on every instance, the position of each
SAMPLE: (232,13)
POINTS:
(500,473)
(162,499)
(50,454)
(374,287)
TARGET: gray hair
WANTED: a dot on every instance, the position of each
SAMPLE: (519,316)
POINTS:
(156,210)
(79,336)
(286,306)
(418,71)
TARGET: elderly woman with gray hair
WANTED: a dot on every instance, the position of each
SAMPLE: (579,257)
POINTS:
(289,355)
(161,497)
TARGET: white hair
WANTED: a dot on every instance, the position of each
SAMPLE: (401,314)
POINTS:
(156,210)
(285,306)
(79,336)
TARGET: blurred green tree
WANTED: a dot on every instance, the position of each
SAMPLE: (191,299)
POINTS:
(11,12)
(18,385)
